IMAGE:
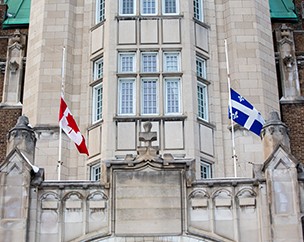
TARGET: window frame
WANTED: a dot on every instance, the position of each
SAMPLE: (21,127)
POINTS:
(203,115)
(156,97)
(96,69)
(93,174)
(130,54)
(165,66)
(96,116)
(148,14)
(164,7)
(205,174)
(200,10)
(100,11)
(201,74)
(166,80)
(156,62)
(126,14)
(133,81)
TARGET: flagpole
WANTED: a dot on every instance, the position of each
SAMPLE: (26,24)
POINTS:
(230,110)
(60,126)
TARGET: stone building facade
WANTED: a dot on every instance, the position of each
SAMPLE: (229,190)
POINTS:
(165,63)
(147,84)
(152,198)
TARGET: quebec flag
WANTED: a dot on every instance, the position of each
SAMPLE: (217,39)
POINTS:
(245,114)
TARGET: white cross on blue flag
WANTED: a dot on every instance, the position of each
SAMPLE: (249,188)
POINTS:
(245,114)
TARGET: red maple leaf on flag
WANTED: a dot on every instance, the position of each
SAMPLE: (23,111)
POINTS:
(72,124)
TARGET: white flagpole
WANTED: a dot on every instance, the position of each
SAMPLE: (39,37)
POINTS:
(60,128)
(230,110)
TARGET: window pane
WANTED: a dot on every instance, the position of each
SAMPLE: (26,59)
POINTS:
(201,68)
(198,9)
(171,62)
(97,103)
(100,10)
(149,62)
(202,101)
(127,96)
(95,172)
(98,69)
(127,62)
(205,170)
(148,6)
(149,96)
(172,96)
(170,6)
(127,7)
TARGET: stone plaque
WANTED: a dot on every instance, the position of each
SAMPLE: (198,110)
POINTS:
(148,202)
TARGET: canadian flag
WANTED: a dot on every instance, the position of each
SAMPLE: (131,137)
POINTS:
(69,126)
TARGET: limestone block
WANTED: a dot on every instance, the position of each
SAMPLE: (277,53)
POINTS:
(171,32)
(174,135)
(149,31)
(127,32)
(126,134)
(97,39)
(199,203)
(222,202)
(247,201)
(97,204)
(73,205)
(201,37)
(49,205)
(206,140)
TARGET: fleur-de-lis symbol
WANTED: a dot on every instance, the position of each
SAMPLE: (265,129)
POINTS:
(241,98)
(235,115)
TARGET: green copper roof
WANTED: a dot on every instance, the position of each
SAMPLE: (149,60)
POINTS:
(18,13)
(283,10)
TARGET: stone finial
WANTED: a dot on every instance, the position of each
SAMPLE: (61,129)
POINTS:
(274,133)
(147,152)
(22,136)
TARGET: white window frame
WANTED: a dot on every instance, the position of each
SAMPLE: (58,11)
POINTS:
(120,98)
(100,11)
(97,103)
(121,8)
(148,14)
(98,69)
(198,10)
(95,172)
(120,58)
(164,7)
(165,61)
(205,114)
(205,174)
(143,106)
(167,111)
(203,62)
(143,54)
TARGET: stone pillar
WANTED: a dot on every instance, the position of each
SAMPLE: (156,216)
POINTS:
(274,133)
(15,179)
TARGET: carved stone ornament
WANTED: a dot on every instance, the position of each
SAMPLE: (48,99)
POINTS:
(288,61)
(13,66)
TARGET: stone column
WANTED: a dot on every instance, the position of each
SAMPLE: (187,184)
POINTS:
(15,179)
